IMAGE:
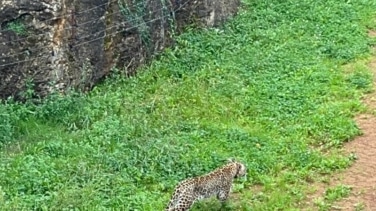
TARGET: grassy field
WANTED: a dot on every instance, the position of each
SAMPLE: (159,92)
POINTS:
(266,88)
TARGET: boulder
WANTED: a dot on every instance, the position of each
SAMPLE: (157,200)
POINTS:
(55,45)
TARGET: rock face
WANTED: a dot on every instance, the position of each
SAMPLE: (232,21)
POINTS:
(48,45)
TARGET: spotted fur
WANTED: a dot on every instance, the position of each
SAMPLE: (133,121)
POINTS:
(216,183)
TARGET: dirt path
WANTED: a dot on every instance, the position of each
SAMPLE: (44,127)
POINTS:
(361,176)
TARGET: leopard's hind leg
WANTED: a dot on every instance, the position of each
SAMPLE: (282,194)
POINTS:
(181,201)
(185,203)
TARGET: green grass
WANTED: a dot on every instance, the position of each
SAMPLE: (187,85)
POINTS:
(267,88)
(333,194)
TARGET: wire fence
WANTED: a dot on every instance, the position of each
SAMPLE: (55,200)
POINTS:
(69,14)
(84,23)
(92,37)
(111,26)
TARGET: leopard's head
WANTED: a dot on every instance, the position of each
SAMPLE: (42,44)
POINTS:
(241,170)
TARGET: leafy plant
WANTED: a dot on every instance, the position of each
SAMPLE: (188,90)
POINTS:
(7,129)
(134,12)
(17,27)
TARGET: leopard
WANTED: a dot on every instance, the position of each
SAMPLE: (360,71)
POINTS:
(215,183)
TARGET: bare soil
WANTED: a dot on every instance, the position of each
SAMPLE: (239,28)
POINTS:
(361,176)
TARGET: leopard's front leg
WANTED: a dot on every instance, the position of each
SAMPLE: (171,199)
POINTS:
(224,193)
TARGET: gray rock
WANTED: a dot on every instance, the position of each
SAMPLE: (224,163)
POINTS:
(51,45)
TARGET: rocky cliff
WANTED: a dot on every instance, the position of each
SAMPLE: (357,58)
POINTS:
(59,44)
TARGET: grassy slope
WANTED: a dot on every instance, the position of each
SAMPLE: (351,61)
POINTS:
(264,89)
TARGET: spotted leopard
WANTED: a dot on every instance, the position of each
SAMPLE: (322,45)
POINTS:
(216,183)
